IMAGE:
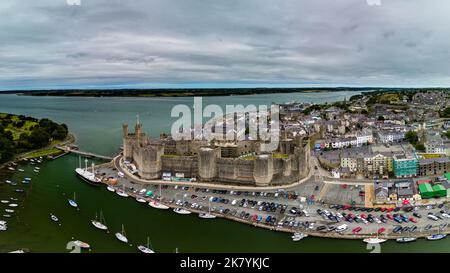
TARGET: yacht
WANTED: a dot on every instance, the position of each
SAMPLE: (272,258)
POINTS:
(157,205)
(146,249)
(181,211)
(88,176)
(73,201)
(436,237)
(99,224)
(206,215)
(121,236)
(374,240)
(122,192)
(298,236)
(405,240)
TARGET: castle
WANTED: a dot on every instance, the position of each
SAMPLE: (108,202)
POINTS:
(240,162)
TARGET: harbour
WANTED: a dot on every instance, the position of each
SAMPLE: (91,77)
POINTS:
(56,182)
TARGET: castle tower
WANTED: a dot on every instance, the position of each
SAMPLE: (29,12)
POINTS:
(207,163)
(127,145)
(263,170)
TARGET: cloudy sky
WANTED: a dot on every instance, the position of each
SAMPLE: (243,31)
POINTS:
(219,43)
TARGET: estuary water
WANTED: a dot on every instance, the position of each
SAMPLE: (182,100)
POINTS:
(96,123)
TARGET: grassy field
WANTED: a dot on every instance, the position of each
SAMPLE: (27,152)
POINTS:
(26,128)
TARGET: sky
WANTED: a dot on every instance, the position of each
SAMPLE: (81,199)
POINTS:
(52,44)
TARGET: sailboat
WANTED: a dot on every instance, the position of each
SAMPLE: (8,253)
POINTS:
(99,224)
(121,236)
(146,249)
(157,205)
(207,215)
(110,188)
(73,202)
(181,211)
(122,192)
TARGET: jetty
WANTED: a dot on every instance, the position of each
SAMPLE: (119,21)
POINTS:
(67,149)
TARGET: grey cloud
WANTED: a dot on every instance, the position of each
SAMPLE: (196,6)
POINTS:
(47,42)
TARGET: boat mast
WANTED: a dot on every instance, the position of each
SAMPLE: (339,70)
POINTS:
(85,164)
(79,162)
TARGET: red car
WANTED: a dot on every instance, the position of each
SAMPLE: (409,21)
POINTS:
(390,209)
(383,209)
(363,216)
(389,216)
(356,230)
(381,230)
(346,207)
(412,219)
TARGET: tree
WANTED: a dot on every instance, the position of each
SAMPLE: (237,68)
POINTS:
(39,138)
(420,147)
(411,137)
(446,113)
(60,132)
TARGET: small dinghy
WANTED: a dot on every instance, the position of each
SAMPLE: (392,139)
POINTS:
(73,203)
(14,199)
(7,215)
(19,190)
(8,182)
(122,193)
(9,210)
(111,189)
(4,201)
(13,205)
(25,182)
(21,170)
(54,218)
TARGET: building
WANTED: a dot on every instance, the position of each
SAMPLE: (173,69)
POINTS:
(405,165)
(434,166)
(390,136)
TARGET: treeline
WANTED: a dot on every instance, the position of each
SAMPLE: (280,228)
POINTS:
(20,134)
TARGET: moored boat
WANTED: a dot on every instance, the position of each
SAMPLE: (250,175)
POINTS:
(374,240)
(13,205)
(181,211)
(4,201)
(101,223)
(86,175)
(111,189)
(121,236)
(206,215)
(157,205)
(54,218)
(73,202)
(146,249)
(141,200)
(405,240)
(81,244)
(436,237)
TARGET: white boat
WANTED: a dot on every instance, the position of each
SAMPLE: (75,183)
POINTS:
(111,189)
(27,179)
(436,237)
(122,192)
(5,201)
(146,249)
(181,211)
(86,175)
(3,228)
(9,210)
(73,202)
(21,170)
(298,236)
(374,240)
(36,171)
(11,169)
(54,218)
(4,223)
(157,205)
(206,215)
(13,205)
(7,215)
(405,240)
(121,236)
(99,224)
(37,168)
(81,244)
(8,181)
(141,200)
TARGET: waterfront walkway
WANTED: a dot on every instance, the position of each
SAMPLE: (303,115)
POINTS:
(86,154)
